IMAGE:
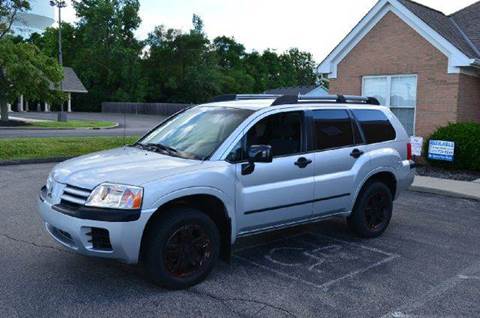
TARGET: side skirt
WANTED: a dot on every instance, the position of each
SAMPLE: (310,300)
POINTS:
(295,223)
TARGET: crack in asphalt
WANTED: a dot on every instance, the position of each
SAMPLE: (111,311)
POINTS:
(125,270)
(34,244)
(224,300)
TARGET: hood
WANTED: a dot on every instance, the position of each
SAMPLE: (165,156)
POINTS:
(127,165)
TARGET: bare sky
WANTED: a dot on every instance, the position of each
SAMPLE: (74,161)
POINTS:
(315,26)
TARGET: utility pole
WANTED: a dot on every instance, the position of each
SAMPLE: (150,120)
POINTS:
(62,116)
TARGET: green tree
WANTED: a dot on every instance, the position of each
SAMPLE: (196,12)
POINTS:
(230,56)
(297,68)
(107,57)
(197,24)
(180,67)
(24,70)
(48,42)
(170,66)
(9,10)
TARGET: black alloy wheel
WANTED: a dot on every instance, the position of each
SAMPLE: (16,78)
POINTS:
(376,210)
(187,251)
(180,248)
(372,211)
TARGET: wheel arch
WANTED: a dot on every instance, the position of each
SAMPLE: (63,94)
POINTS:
(209,204)
(385,176)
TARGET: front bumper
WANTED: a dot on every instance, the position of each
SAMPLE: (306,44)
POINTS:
(79,235)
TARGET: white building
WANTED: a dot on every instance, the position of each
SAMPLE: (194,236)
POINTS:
(37,19)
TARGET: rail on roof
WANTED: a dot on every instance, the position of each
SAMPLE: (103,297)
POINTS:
(333,99)
(232,97)
(294,99)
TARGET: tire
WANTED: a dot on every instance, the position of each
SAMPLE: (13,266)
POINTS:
(171,259)
(372,211)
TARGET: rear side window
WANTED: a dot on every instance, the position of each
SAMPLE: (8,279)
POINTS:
(375,125)
(332,129)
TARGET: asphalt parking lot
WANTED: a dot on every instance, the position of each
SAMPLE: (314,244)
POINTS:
(426,265)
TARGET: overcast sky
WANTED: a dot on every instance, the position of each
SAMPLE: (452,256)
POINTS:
(315,26)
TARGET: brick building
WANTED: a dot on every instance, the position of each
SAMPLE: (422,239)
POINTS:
(421,63)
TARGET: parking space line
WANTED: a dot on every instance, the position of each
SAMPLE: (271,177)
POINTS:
(389,257)
(354,273)
(269,242)
(468,277)
(372,249)
(277,272)
(435,292)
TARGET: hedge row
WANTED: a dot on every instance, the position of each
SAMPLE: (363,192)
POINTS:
(467,145)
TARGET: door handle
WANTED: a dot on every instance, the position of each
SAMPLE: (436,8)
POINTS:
(356,153)
(302,162)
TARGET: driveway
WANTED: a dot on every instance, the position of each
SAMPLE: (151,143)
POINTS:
(427,264)
(130,125)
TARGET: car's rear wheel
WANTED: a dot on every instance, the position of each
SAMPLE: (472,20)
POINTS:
(181,248)
(373,210)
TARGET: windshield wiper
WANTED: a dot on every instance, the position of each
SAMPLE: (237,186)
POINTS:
(158,148)
(170,150)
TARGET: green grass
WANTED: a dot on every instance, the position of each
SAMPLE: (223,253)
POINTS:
(72,124)
(44,148)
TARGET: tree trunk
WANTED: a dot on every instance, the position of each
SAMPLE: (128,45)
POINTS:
(4,110)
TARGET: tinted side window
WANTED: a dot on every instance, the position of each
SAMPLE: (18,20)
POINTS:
(375,125)
(332,129)
(281,131)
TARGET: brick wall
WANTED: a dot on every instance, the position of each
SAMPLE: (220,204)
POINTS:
(469,99)
(393,47)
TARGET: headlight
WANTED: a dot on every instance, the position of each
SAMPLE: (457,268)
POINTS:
(116,196)
(49,182)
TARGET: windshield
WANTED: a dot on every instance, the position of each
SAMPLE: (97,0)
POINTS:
(197,132)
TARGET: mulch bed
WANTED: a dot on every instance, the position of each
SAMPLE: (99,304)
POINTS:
(462,175)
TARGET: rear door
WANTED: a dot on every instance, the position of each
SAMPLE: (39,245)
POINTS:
(338,153)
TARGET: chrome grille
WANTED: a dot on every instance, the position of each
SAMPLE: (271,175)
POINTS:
(75,195)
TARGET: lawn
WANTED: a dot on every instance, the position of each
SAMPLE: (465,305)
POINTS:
(55,147)
(72,124)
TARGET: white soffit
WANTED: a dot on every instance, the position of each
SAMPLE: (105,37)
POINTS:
(456,58)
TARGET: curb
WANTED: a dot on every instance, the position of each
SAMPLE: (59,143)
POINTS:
(32,161)
(116,125)
(443,192)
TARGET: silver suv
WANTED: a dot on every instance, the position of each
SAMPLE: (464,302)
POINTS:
(178,199)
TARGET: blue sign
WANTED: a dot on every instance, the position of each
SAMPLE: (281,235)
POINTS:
(441,150)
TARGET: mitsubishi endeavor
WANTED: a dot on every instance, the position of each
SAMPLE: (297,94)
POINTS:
(179,198)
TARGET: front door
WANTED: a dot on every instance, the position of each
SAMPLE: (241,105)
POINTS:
(281,191)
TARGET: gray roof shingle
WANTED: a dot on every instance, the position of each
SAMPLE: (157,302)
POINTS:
(462,29)
(469,21)
(71,82)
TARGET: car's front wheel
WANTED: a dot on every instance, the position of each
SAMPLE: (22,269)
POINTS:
(181,248)
(372,211)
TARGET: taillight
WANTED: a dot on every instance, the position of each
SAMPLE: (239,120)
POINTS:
(409,151)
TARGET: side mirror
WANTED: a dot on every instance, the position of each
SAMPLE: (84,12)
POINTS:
(257,153)
(260,153)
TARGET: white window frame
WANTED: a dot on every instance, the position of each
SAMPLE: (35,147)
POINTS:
(389,93)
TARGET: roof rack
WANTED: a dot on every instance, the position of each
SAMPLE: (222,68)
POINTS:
(294,99)
(334,99)
(231,97)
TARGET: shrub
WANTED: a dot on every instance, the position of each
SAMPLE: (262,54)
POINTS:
(467,145)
